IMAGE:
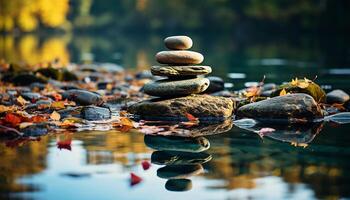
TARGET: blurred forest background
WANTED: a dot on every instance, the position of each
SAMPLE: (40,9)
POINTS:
(160,15)
(130,32)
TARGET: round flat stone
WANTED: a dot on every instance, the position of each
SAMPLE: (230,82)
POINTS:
(179,57)
(167,87)
(178,42)
(180,70)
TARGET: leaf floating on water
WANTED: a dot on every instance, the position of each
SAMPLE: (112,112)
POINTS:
(145,165)
(245,123)
(134,179)
(340,118)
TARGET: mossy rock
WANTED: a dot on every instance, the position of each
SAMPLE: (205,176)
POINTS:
(57,74)
(312,89)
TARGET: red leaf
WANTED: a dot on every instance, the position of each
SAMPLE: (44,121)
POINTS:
(37,119)
(191,117)
(134,179)
(145,165)
(13,119)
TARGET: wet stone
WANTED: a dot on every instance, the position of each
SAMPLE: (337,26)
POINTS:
(172,71)
(35,130)
(95,113)
(31,96)
(169,87)
(205,107)
(83,97)
(337,96)
(292,106)
(178,42)
(216,84)
(179,57)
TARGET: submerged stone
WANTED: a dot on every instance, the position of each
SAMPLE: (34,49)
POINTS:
(169,87)
(205,107)
(337,96)
(292,106)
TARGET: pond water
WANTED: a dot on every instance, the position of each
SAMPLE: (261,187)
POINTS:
(301,163)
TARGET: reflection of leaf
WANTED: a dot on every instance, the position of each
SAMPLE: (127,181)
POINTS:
(124,125)
(340,118)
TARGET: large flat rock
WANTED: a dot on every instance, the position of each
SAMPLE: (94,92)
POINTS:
(205,107)
(175,71)
(292,106)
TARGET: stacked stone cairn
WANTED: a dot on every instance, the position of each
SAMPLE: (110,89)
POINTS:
(181,67)
(182,91)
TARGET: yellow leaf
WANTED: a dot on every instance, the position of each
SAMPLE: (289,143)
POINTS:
(6,108)
(294,82)
(303,84)
(283,92)
(126,122)
(25,124)
(55,116)
(22,101)
(58,105)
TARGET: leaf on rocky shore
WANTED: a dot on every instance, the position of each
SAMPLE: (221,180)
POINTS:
(12,119)
(300,83)
(55,116)
(22,101)
(192,121)
(57,105)
(124,125)
(6,108)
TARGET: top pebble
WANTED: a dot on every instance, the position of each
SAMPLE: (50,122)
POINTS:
(178,42)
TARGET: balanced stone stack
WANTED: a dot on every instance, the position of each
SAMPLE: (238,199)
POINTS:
(181,67)
(179,91)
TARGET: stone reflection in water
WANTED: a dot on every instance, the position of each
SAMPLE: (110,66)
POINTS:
(182,157)
(112,147)
(244,158)
(16,162)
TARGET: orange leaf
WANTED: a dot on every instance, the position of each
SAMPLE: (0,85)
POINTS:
(191,117)
(57,96)
(13,119)
(55,116)
(38,118)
